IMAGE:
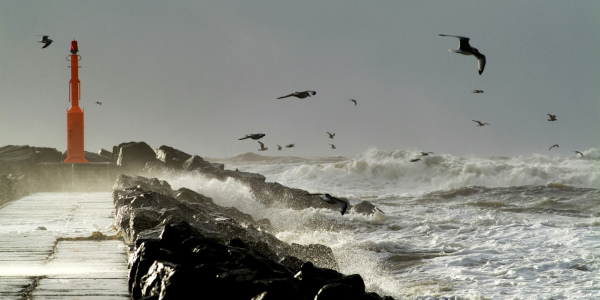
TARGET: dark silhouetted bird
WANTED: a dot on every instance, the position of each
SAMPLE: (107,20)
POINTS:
(46,41)
(552,117)
(290,146)
(353,101)
(578,152)
(254,136)
(477,91)
(300,95)
(465,48)
(480,123)
(331,135)
(333,146)
(555,145)
(98,102)
(415,160)
(426,153)
(333,200)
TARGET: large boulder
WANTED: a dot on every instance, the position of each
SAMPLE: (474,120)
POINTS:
(172,157)
(134,156)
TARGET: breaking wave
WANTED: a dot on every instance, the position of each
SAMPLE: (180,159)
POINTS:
(394,173)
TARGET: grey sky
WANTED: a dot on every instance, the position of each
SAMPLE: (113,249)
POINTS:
(198,75)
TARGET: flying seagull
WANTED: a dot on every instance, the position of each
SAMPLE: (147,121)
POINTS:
(552,117)
(262,147)
(555,145)
(278,147)
(98,102)
(300,95)
(333,146)
(415,160)
(426,153)
(46,41)
(290,146)
(333,200)
(478,91)
(465,49)
(480,124)
(254,136)
(578,152)
(353,101)
(331,135)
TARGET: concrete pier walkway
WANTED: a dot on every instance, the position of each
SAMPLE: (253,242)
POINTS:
(50,248)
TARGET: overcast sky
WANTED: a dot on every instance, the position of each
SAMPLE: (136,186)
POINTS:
(199,75)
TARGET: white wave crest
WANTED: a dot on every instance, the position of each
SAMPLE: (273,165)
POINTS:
(378,172)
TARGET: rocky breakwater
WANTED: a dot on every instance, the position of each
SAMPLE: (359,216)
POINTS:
(183,245)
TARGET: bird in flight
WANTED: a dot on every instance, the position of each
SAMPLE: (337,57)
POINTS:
(353,101)
(478,91)
(290,146)
(331,135)
(300,95)
(426,153)
(333,200)
(333,146)
(46,41)
(555,145)
(98,102)
(254,136)
(480,123)
(262,147)
(552,117)
(278,147)
(578,152)
(465,48)
(415,160)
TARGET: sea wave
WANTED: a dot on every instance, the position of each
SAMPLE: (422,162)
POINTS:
(395,172)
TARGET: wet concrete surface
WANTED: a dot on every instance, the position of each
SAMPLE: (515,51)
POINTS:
(51,248)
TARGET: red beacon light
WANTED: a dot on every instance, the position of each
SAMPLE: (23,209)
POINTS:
(74,48)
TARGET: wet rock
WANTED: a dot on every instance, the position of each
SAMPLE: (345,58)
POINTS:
(180,239)
(366,208)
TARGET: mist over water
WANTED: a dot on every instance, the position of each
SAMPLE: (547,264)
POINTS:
(471,228)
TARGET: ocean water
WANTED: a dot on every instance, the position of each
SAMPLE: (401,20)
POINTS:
(451,227)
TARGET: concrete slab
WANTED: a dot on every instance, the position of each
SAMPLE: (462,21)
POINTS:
(46,251)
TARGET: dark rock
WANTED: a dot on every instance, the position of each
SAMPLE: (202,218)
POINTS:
(171,157)
(366,208)
(105,153)
(95,157)
(185,194)
(117,149)
(49,155)
(292,262)
(181,239)
(335,291)
(276,289)
(134,156)
(196,163)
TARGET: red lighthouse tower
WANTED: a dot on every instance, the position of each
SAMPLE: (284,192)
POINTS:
(75,149)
